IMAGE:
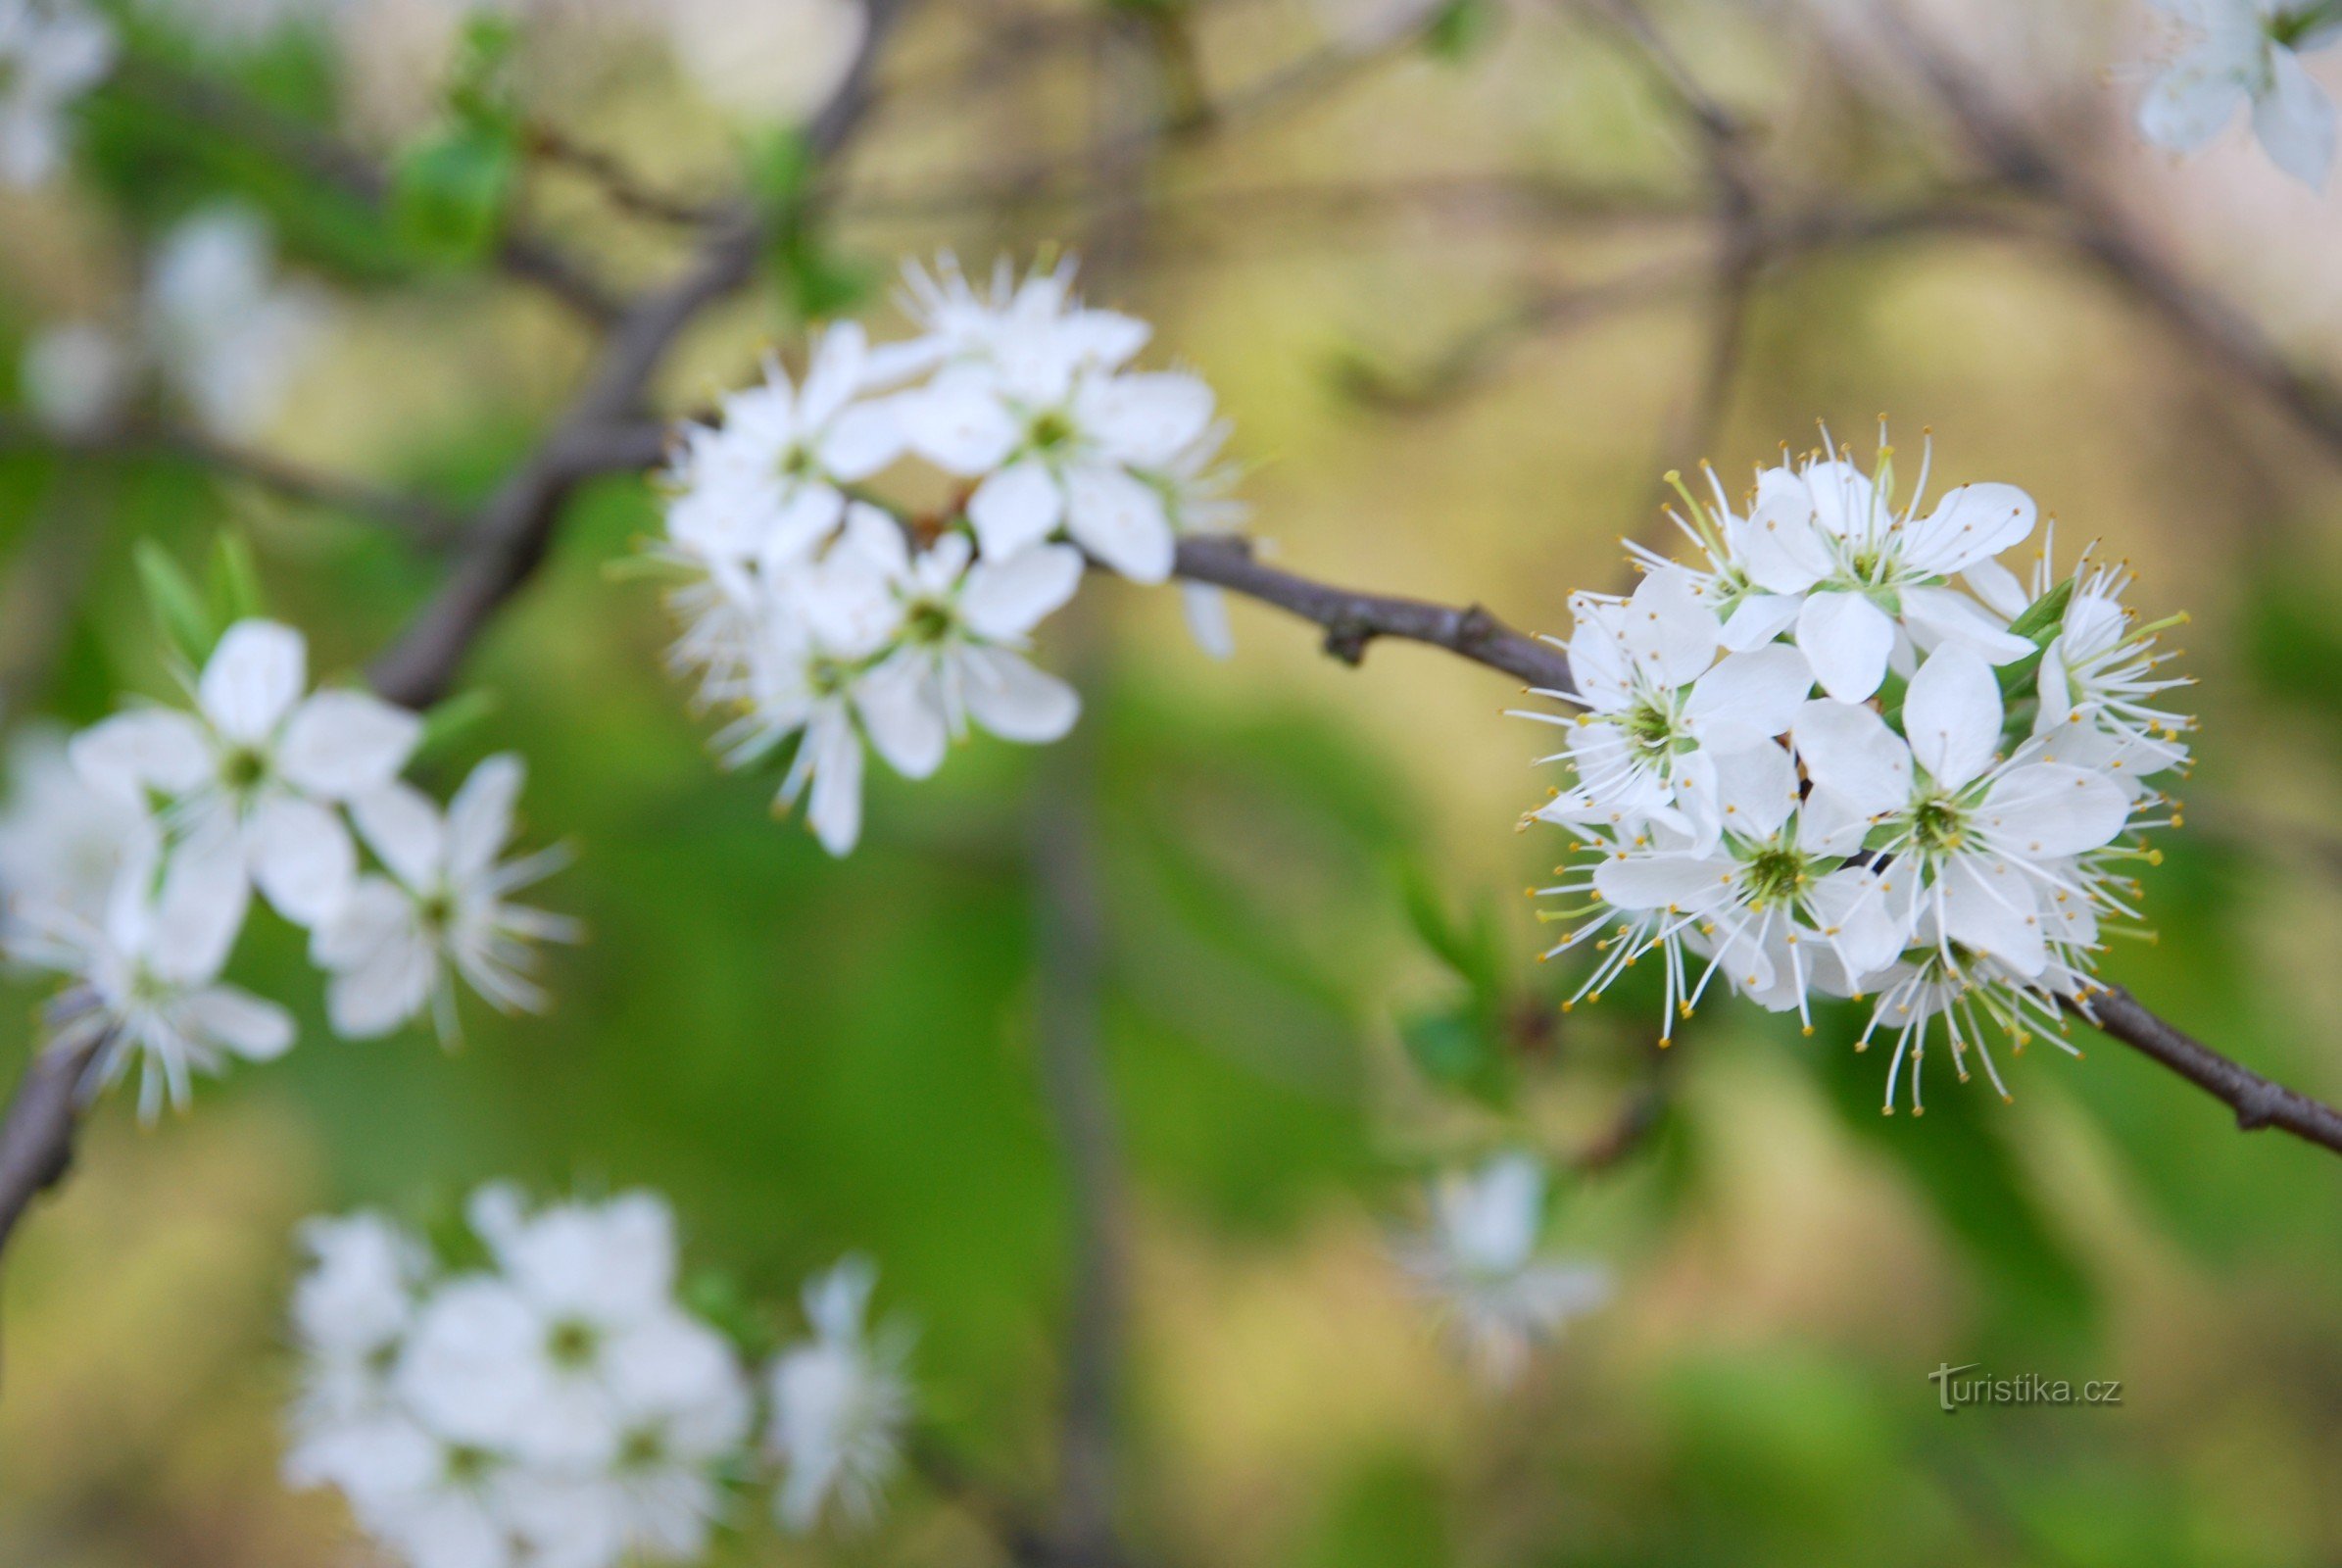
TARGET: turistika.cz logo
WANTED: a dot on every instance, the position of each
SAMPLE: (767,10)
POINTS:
(1952,1389)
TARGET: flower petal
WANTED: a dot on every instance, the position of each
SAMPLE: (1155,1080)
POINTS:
(904,714)
(1751,697)
(302,856)
(2295,121)
(1850,751)
(401,826)
(2047,811)
(1952,716)
(338,744)
(1016,509)
(479,819)
(1144,420)
(252,678)
(147,749)
(835,811)
(256,1030)
(1012,698)
(1847,638)
(1119,520)
(1005,599)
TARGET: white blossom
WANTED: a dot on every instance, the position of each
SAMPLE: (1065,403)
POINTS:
(227,334)
(146,974)
(51,53)
(839,1403)
(78,376)
(260,763)
(2248,53)
(439,910)
(1945,828)
(1479,1260)
(556,1409)
(63,845)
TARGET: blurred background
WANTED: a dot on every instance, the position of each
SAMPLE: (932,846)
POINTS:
(1468,278)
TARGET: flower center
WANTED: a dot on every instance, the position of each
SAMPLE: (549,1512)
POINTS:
(928,622)
(1050,431)
(467,1464)
(571,1344)
(643,1449)
(436,910)
(242,768)
(1773,875)
(829,677)
(1938,825)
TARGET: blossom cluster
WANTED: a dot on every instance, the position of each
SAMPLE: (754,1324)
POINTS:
(129,854)
(1944,825)
(1478,1261)
(51,53)
(555,1405)
(829,617)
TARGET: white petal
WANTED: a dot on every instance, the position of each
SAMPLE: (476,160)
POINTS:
(401,826)
(1946,616)
(1012,698)
(2187,105)
(1998,587)
(302,856)
(338,744)
(479,819)
(1756,789)
(1782,551)
(2295,121)
(862,439)
(1119,520)
(1860,917)
(1207,610)
(1849,750)
(2048,811)
(1828,824)
(834,375)
(200,908)
(1846,638)
(1671,632)
(904,713)
(1145,420)
(1016,509)
(1972,522)
(1663,882)
(956,422)
(835,811)
(1952,716)
(1751,697)
(1989,906)
(260,1031)
(252,678)
(150,748)
(1845,501)
(1759,619)
(1005,599)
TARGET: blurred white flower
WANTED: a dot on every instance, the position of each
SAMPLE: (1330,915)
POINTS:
(260,763)
(1197,485)
(63,845)
(1477,1258)
(557,1410)
(763,487)
(395,944)
(228,335)
(2248,54)
(773,62)
(840,1401)
(147,974)
(51,53)
(78,376)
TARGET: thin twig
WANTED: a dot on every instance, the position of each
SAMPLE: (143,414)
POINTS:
(425,521)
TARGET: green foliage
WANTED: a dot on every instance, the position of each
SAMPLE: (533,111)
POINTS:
(1461,28)
(1461,1044)
(451,187)
(817,281)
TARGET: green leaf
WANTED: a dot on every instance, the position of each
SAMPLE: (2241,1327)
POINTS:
(1455,1048)
(816,280)
(179,614)
(2039,624)
(451,189)
(449,721)
(780,170)
(1476,955)
(235,582)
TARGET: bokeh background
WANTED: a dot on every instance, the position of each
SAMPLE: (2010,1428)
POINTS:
(1457,284)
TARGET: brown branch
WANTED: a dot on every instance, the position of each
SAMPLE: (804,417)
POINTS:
(2257,1100)
(617,183)
(420,519)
